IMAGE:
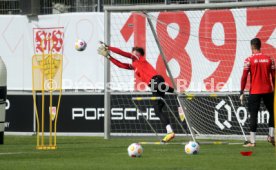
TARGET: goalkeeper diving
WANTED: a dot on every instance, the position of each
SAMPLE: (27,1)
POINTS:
(147,74)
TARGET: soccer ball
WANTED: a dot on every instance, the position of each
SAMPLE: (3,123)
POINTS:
(80,45)
(192,148)
(135,150)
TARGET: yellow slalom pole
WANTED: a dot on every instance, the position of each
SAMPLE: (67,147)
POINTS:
(51,96)
(59,87)
(42,100)
(50,108)
(35,103)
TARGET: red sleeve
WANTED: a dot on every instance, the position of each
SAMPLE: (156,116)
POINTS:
(120,52)
(273,72)
(120,64)
(246,70)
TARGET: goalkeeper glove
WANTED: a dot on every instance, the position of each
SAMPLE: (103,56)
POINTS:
(242,98)
(103,50)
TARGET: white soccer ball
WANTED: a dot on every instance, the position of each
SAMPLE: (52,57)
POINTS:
(80,45)
(135,150)
(192,148)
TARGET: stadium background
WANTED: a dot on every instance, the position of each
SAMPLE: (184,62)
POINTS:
(82,106)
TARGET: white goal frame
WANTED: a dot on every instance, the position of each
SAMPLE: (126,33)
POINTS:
(151,8)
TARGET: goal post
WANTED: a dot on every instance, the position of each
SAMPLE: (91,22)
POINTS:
(194,46)
(107,93)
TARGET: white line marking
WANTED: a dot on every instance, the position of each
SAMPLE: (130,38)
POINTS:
(12,153)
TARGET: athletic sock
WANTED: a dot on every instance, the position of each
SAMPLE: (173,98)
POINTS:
(169,128)
(271,131)
(253,137)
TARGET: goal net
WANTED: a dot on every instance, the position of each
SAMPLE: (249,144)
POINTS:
(201,52)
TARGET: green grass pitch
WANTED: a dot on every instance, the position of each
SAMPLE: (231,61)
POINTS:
(91,153)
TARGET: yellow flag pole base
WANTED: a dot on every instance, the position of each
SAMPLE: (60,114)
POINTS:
(46,147)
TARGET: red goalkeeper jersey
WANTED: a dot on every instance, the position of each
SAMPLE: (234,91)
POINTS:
(262,70)
(142,68)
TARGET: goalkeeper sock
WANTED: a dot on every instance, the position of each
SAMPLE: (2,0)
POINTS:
(271,131)
(169,128)
(253,137)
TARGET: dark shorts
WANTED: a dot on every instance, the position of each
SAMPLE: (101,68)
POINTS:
(254,103)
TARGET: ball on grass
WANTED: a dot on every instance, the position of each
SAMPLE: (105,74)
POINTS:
(135,150)
(192,148)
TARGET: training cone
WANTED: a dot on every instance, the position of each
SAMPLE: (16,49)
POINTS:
(246,153)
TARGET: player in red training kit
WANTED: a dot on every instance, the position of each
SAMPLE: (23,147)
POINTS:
(262,70)
(147,74)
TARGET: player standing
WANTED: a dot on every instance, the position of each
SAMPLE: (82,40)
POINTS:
(262,69)
(147,74)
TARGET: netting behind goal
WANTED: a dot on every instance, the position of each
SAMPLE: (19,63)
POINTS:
(204,50)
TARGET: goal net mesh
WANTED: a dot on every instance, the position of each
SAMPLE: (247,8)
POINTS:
(205,51)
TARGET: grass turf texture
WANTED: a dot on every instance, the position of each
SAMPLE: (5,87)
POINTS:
(96,153)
